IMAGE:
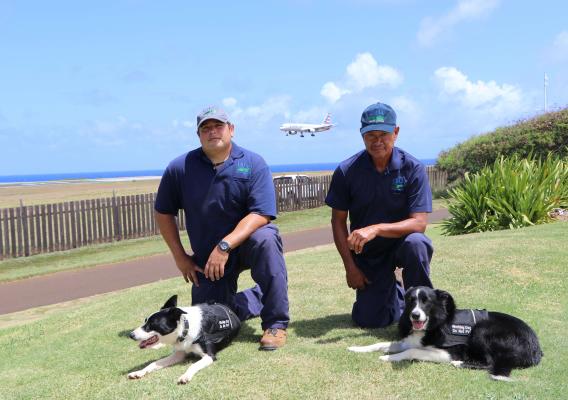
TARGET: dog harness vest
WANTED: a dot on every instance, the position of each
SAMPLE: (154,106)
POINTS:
(218,323)
(457,332)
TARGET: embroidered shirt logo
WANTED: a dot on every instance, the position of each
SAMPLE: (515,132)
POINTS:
(398,184)
(243,170)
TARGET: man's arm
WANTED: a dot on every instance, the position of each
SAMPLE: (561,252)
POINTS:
(417,222)
(215,267)
(170,233)
(355,278)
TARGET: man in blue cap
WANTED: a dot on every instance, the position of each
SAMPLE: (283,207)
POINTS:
(227,195)
(386,195)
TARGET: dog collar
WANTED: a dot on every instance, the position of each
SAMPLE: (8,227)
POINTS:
(184,331)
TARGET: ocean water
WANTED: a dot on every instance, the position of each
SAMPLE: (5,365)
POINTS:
(151,173)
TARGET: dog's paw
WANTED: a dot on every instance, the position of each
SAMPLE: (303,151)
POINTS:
(182,380)
(456,363)
(136,374)
(357,349)
(392,357)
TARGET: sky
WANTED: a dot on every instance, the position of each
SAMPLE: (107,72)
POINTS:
(116,85)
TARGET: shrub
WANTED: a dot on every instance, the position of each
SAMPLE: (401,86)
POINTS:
(537,136)
(513,193)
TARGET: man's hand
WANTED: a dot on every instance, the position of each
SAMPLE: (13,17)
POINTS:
(357,239)
(355,278)
(188,269)
(215,267)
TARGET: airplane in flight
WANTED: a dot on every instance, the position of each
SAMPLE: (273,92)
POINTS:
(301,128)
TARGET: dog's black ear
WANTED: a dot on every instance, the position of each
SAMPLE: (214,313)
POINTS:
(447,300)
(172,302)
(176,312)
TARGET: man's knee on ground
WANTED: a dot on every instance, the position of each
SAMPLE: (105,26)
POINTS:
(372,318)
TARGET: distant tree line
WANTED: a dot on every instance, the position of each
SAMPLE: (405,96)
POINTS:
(535,137)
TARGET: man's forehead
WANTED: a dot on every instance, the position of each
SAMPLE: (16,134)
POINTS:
(378,133)
(212,121)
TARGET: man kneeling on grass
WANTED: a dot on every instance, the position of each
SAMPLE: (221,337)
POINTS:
(228,198)
(386,194)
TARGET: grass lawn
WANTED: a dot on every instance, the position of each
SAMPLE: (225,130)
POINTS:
(25,267)
(81,351)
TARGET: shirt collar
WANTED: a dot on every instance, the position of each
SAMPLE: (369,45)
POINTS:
(395,162)
(236,152)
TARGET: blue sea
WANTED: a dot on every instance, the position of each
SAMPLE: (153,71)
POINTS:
(151,173)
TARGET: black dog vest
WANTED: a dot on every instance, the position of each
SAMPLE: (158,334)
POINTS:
(457,332)
(218,323)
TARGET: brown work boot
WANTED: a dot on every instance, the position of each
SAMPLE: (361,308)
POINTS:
(272,339)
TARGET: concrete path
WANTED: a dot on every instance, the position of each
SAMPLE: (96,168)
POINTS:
(69,285)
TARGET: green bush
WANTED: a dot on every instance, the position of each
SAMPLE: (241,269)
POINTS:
(537,136)
(513,193)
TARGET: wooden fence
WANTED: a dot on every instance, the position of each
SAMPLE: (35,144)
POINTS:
(46,228)
(438,179)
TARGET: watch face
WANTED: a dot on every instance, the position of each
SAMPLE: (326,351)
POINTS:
(224,246)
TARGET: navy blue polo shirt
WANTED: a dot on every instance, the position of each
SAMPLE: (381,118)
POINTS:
(214,201)
(373,197)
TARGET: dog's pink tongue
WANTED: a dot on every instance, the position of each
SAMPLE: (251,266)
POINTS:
(418,324)
(148,342)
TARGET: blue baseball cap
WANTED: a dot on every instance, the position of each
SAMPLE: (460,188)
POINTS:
(212,112)
(378,117)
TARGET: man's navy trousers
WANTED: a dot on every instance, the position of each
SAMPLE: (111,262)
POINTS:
(262,253)
(382,301)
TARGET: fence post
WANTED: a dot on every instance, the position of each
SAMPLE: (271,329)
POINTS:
(116,218)
(24,214)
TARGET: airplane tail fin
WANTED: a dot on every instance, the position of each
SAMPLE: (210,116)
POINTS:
(327,119)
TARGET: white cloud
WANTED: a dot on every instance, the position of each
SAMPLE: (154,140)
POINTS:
(229,102)
(482,96)
(272,107)
(432,28)
(364,72)
(332,92)
(559,49)
(404,105)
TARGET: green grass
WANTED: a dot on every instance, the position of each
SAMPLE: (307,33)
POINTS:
(25,267)
(82,351)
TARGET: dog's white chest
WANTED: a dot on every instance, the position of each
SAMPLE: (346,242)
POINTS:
(414,340)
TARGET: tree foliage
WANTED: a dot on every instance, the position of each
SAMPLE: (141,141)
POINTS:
(547,133)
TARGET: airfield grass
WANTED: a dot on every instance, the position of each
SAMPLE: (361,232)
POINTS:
(82,351)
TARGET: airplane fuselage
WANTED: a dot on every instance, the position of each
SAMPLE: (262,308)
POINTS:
(298,128)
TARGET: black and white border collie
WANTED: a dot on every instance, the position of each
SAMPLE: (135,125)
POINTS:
(203,330)
(432,329)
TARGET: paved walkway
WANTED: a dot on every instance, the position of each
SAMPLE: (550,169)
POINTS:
(69,285)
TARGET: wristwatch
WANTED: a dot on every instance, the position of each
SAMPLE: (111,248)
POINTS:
(224,246)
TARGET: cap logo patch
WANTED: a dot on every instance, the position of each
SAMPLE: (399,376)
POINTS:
(377,118)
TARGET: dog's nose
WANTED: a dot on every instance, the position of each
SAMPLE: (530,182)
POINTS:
(132,336)
(415,315)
